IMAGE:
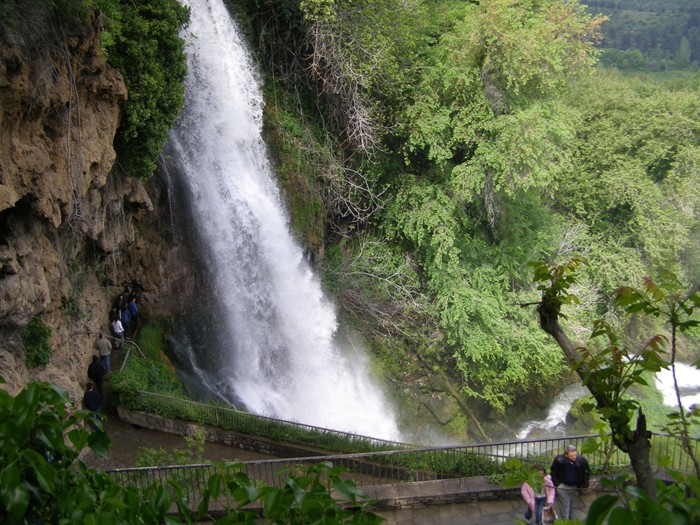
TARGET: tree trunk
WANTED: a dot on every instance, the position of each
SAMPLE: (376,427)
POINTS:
(636,444)
(638,447)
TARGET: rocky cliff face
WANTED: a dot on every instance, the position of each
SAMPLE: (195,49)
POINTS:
(72,229)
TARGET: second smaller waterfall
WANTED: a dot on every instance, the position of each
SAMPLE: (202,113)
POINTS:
(555,422)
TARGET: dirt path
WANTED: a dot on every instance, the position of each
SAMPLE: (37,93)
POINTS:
(128,440)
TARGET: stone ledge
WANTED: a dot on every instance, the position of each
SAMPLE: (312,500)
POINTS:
(216,435)
(427,493)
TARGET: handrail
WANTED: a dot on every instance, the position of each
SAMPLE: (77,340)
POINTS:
(425,464)
(112,338)
(218,415)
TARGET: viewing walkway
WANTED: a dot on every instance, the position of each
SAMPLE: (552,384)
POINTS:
(461,501)
(436,485)
(464,501)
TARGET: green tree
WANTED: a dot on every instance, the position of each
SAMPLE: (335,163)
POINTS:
(493,349)
(669,300)
(633,178)
(486,137)
(364,54)
(609,371)
(142,41)
(482,107)
(683,54)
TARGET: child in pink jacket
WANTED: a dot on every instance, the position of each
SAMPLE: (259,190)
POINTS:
(537,502)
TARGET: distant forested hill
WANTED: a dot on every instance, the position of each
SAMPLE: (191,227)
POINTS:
(650,34)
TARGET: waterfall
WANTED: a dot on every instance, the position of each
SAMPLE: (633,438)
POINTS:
(688,385)
(554,424)
(269,334)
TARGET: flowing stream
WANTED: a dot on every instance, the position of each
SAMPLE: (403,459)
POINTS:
(554,424)
(262,334)
(688,385)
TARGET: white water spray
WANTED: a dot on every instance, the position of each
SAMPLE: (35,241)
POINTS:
(281,358)
(688,385)
(555,423)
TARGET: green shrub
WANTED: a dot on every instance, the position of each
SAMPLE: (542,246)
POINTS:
(35,339)
(142,41)
(43,479)
(152,339)
(193,453)
(475,465)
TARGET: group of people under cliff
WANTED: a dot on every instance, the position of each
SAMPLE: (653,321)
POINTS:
(123,321)
(568,475)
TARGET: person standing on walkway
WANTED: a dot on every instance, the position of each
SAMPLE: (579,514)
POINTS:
(96,371)
(118,331)
(93,402)
(570,474)
(538,496)
(125,317)
(104,348)
(134,311)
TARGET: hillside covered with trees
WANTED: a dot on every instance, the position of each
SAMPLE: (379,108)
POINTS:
(469,141)
(650,34)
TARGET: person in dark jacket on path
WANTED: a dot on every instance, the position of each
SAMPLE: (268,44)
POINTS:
(125,318)
(93,402)
(570,474)
(134,311)
(96,372)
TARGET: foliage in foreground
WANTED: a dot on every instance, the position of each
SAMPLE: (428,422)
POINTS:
(42,479)
(678,503)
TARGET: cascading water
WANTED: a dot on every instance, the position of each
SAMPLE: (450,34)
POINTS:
(275,349)
(688,385)
(555,422)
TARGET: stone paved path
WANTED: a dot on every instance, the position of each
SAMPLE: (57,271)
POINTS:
(500,511)
(483,512)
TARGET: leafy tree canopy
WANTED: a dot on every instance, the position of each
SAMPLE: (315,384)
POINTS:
(635,173)
(142,41)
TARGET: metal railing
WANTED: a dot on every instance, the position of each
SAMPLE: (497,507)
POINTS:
(280,430)
(663,446)
(424,464)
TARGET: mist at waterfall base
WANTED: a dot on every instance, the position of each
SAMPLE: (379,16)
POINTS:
(260,335)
